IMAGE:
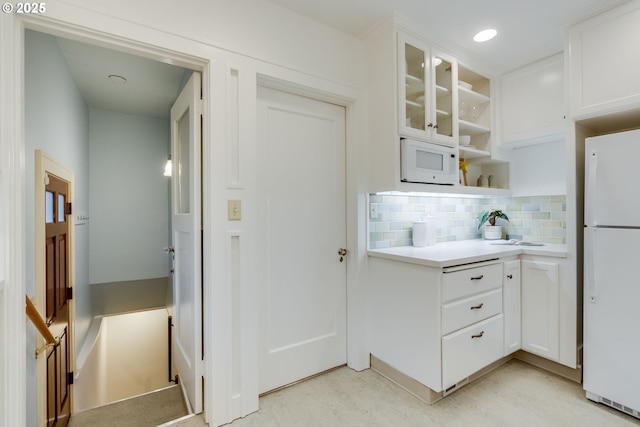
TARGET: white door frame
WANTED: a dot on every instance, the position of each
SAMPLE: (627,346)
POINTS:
(12,153)
(356,214)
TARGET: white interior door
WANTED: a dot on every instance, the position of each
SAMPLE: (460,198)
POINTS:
(186,239)
(301,147)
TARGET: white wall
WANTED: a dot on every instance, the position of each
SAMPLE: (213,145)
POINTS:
(129,203)
(90,381)
(257,28)
(127,357)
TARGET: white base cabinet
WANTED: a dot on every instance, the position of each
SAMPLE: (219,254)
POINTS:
(436,325)
(512,306)
(540,295)
(405,319)
(439,326)
(549,310)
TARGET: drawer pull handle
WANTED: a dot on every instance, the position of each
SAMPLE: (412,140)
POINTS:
(478,277)
(478,335)
(477,307)
(509,276)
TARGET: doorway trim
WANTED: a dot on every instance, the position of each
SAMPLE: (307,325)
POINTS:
(12,78)
(356,208)
(44,165)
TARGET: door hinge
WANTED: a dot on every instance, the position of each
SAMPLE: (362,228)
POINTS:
(70,378)
(67,208)
(69,293)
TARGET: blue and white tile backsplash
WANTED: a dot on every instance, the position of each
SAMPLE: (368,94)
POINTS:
(536,219)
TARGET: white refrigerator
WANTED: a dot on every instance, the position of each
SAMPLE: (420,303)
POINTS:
(611,363)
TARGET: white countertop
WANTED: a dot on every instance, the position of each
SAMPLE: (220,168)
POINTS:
(464,251)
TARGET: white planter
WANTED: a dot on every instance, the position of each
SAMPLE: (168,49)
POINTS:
(493,232)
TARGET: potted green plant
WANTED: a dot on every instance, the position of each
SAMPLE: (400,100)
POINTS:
(491,231)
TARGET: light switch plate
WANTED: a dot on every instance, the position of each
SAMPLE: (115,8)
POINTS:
(234,210)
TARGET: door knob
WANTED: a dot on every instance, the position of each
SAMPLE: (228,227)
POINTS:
(342,252)
(169,250)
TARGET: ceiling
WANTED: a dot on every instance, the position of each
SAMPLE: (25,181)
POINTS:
(528,30)
(150,90)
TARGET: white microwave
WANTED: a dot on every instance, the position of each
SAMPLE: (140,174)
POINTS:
(428,163)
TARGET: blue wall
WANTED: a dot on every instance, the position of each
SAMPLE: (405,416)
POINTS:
(57,122)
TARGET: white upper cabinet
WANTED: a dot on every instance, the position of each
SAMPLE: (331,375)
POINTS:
(427,94)
(418,91)
(604,63)
(533,106)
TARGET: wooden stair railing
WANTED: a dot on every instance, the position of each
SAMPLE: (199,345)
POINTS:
(41,326)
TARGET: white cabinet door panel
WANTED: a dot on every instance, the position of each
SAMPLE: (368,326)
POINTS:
(540,308)
(511,306)
(533,101)
(605,59)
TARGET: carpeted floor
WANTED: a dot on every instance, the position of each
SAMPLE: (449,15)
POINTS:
(147,410)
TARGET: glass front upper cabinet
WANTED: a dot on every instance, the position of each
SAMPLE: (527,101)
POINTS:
(414,97)
(427,95)
(445,94)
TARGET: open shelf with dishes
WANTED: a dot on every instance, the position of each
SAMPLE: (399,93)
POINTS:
(474,124)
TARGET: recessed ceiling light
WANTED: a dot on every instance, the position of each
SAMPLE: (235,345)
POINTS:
(485,35)
(117,79)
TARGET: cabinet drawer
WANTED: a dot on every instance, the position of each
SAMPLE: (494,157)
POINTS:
(462,283)
(471,349)
(461,313)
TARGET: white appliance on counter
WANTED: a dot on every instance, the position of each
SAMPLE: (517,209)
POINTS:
(427,163)
(611,373)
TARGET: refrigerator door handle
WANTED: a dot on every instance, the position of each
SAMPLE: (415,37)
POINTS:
(592,171)
(590,263)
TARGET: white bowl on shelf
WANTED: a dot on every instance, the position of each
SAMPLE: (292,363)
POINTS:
(464,139)
(465,85)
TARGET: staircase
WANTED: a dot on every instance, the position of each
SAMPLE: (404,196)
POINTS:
(158,408)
